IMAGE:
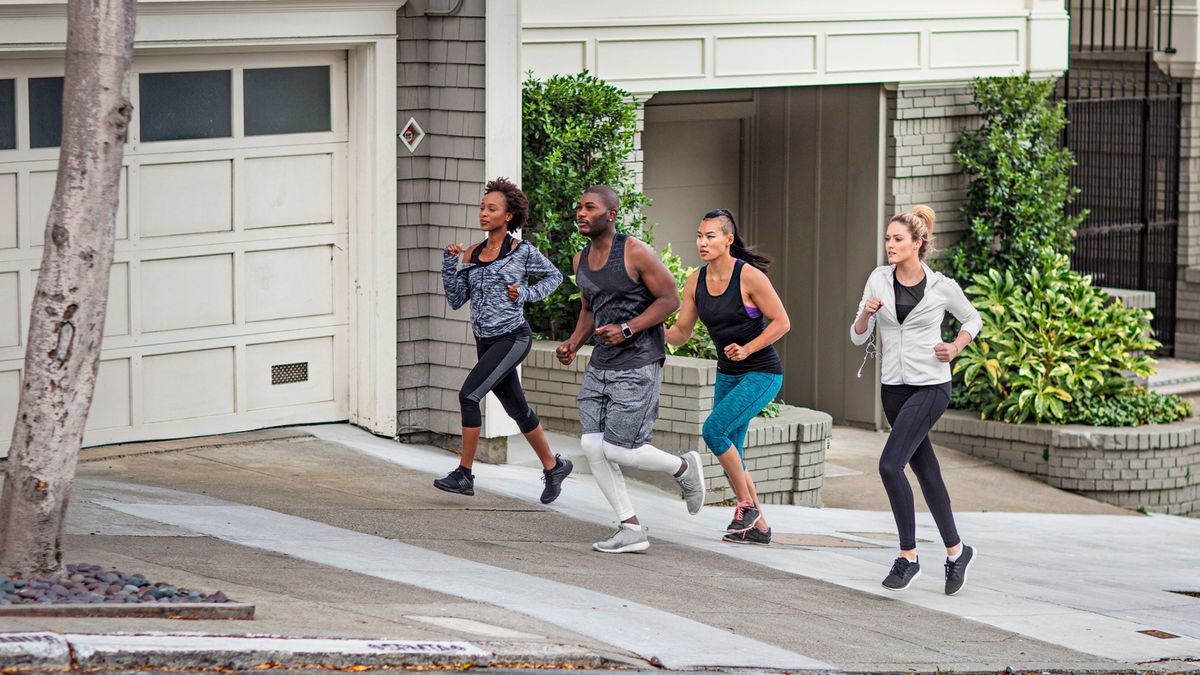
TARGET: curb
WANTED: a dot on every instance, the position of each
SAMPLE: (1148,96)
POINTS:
(180,610)
(45,651)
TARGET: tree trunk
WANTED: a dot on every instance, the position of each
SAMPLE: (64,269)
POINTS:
(62,353)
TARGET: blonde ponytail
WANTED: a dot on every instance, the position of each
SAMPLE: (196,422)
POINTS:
(920,225)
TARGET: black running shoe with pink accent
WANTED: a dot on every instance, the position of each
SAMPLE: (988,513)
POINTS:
(750,536)
(745,515)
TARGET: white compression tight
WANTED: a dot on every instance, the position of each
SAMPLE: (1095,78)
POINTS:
(604,459)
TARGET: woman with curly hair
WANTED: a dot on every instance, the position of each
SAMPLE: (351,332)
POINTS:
(495,276)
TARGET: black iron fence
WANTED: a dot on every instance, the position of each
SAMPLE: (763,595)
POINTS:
(1124,131)
(1122,25)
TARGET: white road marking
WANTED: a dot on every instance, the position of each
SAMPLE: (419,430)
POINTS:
(476,627)
(646,631)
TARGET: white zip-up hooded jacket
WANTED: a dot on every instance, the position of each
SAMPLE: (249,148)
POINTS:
(907,348)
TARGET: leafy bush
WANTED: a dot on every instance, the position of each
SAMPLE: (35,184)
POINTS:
(1018,180)
(1131,408)
(577,130)
(1056,349)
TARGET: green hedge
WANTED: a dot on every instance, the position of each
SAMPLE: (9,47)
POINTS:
(1019,180)
(578,130)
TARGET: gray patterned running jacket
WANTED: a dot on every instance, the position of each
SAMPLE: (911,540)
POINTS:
(485,284)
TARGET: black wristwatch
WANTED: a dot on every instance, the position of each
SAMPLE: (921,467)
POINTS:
(626,330)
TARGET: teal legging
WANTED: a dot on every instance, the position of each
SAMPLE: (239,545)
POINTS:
(737,399)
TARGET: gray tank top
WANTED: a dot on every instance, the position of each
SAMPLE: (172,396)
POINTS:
(615,298)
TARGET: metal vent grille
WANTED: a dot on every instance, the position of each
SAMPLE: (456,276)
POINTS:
(287,373)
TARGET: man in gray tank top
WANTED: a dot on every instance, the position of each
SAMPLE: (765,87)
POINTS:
(627,294)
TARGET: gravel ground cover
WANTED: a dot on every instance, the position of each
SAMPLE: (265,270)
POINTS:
(83,584)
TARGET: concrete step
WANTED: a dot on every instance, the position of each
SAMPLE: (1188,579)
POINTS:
(1176,376)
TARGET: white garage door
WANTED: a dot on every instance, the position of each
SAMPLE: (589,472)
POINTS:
(228,308)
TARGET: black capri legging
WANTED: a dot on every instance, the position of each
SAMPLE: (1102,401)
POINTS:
(497,372)
(912,411)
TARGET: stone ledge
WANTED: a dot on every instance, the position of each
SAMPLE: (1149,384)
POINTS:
(1156,466)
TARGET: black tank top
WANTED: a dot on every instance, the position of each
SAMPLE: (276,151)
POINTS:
(729,323)
(615,298)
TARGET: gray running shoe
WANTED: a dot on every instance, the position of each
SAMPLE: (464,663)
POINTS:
(692,482)
(627,539)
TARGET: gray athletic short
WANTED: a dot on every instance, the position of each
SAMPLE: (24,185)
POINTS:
(621,404)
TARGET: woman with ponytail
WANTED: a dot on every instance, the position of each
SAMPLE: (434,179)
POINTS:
(908,301)
(732,295)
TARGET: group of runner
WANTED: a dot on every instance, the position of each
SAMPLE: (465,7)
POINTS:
(627,294)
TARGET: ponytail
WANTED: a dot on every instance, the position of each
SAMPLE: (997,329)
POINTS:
(919,222)
(738,249)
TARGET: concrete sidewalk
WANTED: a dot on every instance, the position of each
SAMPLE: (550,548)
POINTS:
(341,534)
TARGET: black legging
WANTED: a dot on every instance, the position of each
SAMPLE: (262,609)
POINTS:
(497,372)
(912,412)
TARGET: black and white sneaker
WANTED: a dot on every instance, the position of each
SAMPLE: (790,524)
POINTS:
(459,481)
(750,536)
(956,571)
(553,478)
(902,575)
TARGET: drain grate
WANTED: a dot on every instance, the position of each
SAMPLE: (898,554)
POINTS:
(1160,634)
(287,373)
(1190,594)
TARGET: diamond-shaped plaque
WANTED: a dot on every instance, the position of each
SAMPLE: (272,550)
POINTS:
(412,134)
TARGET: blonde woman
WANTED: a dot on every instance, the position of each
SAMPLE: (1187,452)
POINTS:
(908,301)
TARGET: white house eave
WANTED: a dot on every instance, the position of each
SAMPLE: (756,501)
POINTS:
(39,25)
(709,44)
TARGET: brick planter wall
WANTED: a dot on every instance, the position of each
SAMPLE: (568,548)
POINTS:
(1154,466)
(785,455)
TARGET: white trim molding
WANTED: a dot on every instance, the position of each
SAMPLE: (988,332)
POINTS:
(680,45)
(502,145)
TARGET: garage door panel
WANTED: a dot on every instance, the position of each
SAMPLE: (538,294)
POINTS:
(295,190)
(116,321)
(186,385)
(41,195)
(186,292)
(289,283)
(185,198)
(289,373)
(10,305)
(111,404)
(8,210)
(10,396)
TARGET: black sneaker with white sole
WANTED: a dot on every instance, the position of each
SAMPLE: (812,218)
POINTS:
(459,481)
(553,478)
(902,575)
(750,536)
(956,570)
